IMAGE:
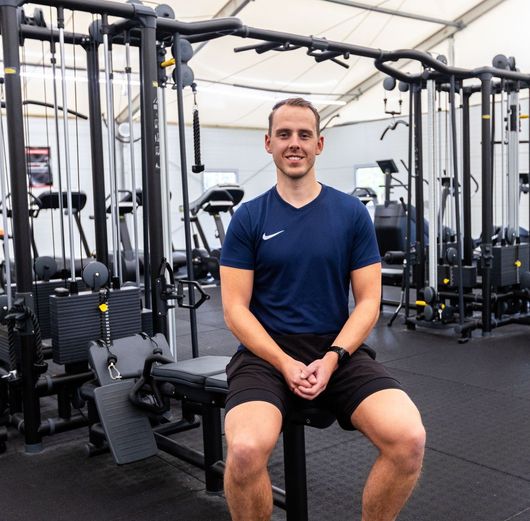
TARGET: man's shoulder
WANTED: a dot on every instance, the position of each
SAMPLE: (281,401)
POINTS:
(257,202)
(343,199)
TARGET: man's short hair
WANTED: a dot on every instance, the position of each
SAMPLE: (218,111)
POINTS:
(295,102)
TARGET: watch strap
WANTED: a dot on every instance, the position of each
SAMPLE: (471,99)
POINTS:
(342,353)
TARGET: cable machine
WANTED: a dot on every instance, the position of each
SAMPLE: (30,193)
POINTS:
(452,285)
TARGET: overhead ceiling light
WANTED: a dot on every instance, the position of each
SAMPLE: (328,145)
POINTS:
(267,96)
(33,71)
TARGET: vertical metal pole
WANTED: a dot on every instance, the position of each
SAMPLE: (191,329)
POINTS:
(185,192)
(16,148)
(408,264)
(456,188)
(295,471)
(151,160)
(466,181)
(419,271)
(145,205)
(5,222)
(59,161)
(21,230)
(460,152)
(213,446)
(96,150)
(166,208)
(513,162)
(432,189)
(487,198)
(504,202)
(60,20)
(111,141)
(133,165)
(441,214)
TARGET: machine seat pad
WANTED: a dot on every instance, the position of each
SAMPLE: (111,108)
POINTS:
(191,372)
(311,416)
(127,428)
(216,383)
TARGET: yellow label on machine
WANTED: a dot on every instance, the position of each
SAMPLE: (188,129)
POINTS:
(103,307)
(10,70)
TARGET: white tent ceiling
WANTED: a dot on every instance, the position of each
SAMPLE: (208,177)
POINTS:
(238,89)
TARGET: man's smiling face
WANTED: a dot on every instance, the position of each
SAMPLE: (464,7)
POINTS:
(294,141)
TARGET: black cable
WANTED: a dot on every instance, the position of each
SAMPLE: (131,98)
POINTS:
(104,322)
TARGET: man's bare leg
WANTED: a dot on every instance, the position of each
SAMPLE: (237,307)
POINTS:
(393,424)
(251,430)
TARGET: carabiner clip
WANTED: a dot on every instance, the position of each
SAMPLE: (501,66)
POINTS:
(113,372)
(9,376)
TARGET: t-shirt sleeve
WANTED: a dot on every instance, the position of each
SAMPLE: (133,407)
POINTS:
(238,246)
(365,249)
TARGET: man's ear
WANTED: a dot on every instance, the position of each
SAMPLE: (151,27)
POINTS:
(268,143)
(320,144)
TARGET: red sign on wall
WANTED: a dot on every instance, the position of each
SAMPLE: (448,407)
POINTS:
(39,169)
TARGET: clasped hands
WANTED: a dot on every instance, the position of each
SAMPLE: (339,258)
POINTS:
(308,381)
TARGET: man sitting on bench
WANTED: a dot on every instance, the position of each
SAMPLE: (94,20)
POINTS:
(286,266)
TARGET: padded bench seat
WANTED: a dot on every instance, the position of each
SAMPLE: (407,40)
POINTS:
(193,372)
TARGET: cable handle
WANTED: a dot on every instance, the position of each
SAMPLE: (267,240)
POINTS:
(198,167)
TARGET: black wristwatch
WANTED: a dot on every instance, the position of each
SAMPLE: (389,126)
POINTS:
(341,353)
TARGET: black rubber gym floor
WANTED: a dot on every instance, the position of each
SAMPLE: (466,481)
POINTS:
(475,402)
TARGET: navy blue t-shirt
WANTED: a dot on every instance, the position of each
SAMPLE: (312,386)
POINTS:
(301,257)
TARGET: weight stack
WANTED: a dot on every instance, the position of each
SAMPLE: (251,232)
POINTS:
(42,290)
(449,276)
(147,321)
(76,320)
(505,272)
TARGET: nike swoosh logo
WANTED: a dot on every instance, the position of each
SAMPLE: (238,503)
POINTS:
(266,237)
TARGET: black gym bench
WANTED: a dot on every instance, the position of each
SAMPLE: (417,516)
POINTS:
(135,378)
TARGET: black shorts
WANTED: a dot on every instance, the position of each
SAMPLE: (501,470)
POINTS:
(251,378)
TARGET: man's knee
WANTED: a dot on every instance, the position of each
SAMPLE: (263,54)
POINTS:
(252,430)
(246,457)
(407,447)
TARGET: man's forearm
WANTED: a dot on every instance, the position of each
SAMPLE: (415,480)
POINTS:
(359,325)
(249,331)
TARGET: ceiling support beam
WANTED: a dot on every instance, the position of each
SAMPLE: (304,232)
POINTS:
(435,39)
(402,14)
